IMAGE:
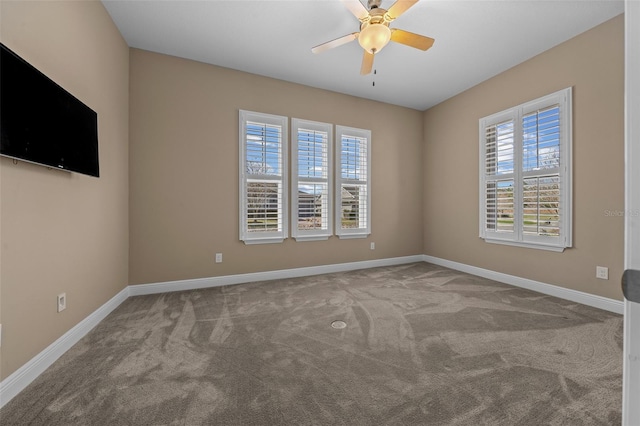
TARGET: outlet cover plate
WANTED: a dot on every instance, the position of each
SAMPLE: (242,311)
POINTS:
(62,302)
(602,272)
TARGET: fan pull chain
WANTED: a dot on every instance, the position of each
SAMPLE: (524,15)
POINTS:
(374,73)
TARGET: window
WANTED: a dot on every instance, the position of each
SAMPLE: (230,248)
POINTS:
(353,187)
(525,174)
(263,178)
(311,179)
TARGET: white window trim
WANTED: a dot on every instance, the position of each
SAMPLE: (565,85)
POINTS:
(564,99)
(357,232)
(312,234)
(263,237)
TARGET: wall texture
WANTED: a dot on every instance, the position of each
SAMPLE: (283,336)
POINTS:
(64,232)
(184,171)
(592,63)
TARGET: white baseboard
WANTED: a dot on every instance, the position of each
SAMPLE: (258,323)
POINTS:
(21,378)
(155,288)
(611,305)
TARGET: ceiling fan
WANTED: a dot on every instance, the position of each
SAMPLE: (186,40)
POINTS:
(374,31)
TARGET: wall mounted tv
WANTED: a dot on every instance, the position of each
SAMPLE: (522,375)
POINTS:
(42,123)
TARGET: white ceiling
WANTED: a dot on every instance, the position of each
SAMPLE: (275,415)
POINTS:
(475,40)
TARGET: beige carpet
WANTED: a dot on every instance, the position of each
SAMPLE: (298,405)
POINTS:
(423,345)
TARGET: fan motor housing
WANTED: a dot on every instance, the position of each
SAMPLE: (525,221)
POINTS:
(376,16)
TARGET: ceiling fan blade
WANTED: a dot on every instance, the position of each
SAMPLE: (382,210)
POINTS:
(357,8)
(367,63)
(410,39)
(335,43)
(399,7)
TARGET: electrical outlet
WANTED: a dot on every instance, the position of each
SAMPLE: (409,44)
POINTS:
(218,257)
(602,272)
(373,246)
(62,302)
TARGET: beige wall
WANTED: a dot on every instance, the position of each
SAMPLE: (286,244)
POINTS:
(64,232)
(592,64)
(184,171)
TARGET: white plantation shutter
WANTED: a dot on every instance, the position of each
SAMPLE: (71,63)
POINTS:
(263,183)
(541,172)
(541,205)
(525,174)
(353,186)
(499,177)
(311,180)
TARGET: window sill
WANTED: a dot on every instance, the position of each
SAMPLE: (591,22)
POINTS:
(311,237)
(558,249)
(352,236)
(253,241)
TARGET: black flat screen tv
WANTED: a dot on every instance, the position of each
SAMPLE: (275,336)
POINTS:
(42,123)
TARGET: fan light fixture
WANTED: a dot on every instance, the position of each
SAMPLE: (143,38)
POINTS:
(374,31)
(373,37)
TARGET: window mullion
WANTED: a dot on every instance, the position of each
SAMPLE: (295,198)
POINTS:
(542,172)
(354,181)
(518,141)
(274,178)
(310,179)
